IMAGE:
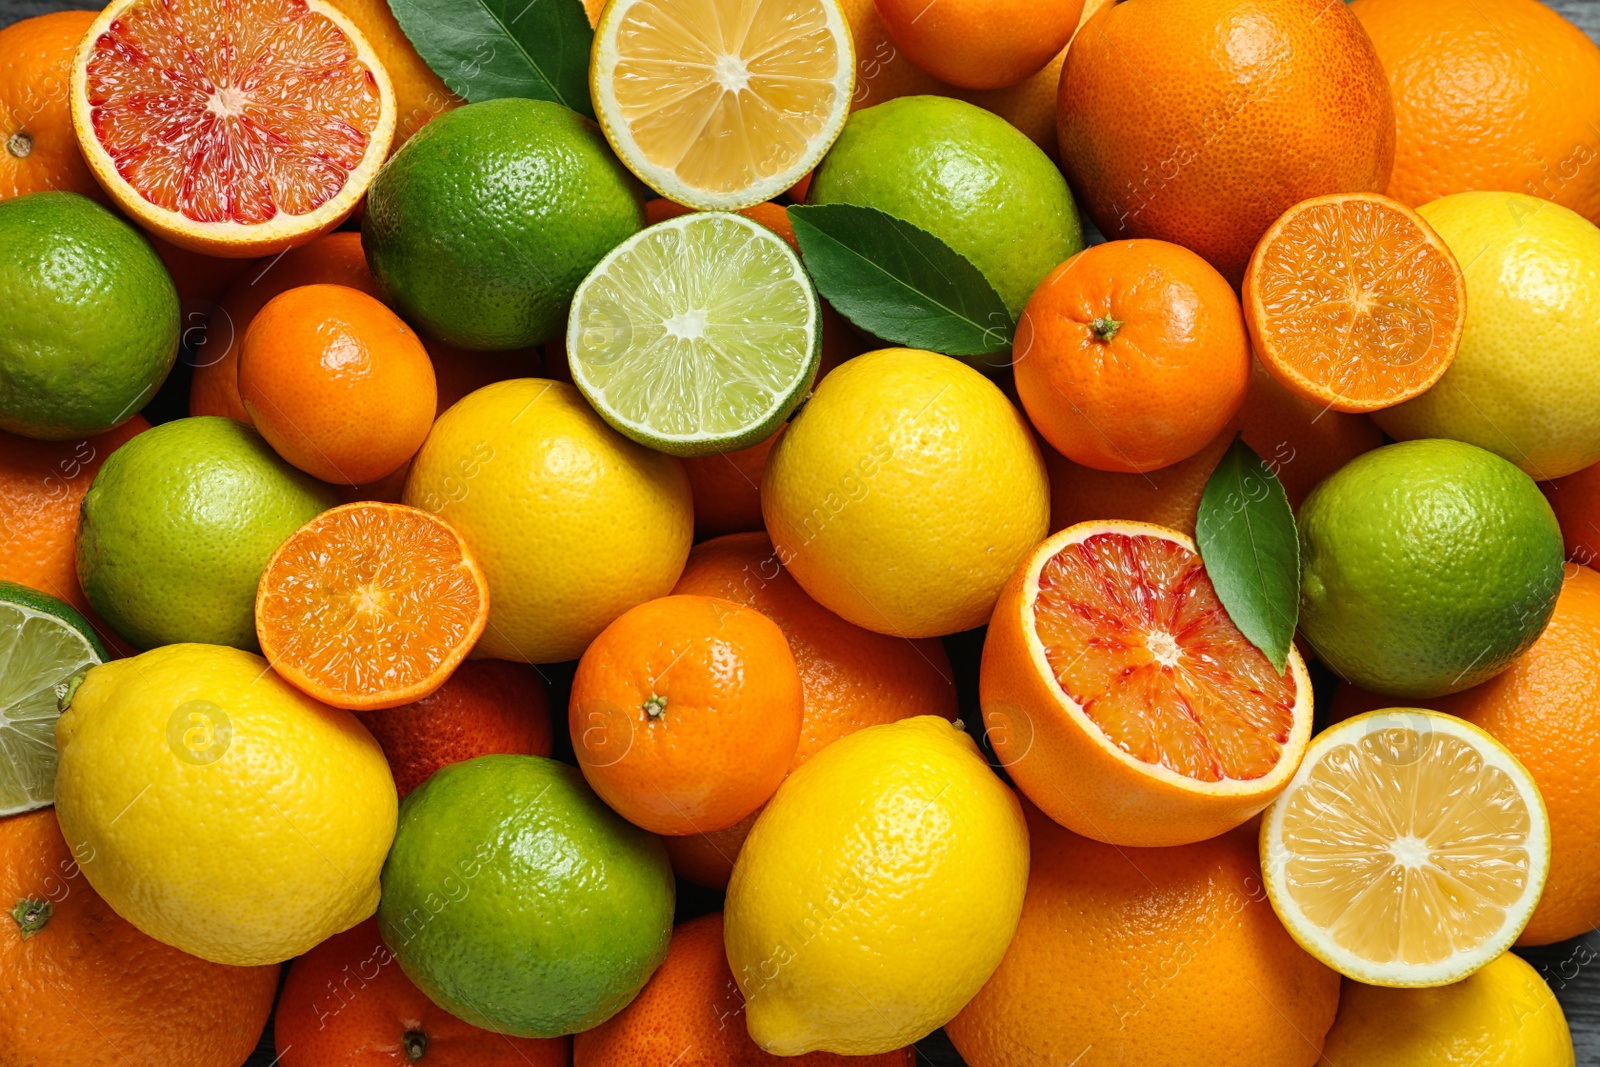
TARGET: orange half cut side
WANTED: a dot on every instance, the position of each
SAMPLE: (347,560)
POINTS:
(236,128)
(371,605)
(1353,301)
(1123,699)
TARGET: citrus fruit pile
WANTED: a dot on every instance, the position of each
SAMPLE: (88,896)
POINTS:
(710,533)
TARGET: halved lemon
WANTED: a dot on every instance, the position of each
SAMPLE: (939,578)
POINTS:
(721,104)
(232,129)
(1409,849)
(1122,699)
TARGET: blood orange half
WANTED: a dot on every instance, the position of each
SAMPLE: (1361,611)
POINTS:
(236,128)
(1122,699)
(371,605)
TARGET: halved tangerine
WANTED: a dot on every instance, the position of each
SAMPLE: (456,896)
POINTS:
(1354,301)
(1122,699)
(371,605)
(232,129)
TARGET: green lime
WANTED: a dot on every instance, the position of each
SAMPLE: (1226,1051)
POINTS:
(519,902)
(90,327)
(699,335)
(480,228)
(1426,567)
(178,525)
(966,176)
(44,645)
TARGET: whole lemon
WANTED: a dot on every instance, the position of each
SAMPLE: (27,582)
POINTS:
(877,892)
(1503,1015)
(1525,382)
(905,493)
(219,809)
(572,523)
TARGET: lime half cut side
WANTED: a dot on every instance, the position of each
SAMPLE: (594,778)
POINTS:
(697,335)
(44,645)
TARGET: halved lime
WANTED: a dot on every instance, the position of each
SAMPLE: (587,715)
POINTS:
(44,644)
(700,334)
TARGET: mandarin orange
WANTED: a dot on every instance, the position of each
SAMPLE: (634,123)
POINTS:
(1260,104)
(80,985)
(1576,501)
(337,383)
(1131,356)
(1148,956)
(332,260)
(371,605)
(853,678)
(685,713)
(38,149)
(981,44)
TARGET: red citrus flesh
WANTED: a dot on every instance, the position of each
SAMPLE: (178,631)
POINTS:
(227,111)
(1135,635)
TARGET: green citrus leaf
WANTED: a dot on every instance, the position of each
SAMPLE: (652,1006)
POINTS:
(487,49)
(901,283)
(1251,549)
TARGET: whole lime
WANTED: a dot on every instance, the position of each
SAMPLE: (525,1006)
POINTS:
(1426,567)
(1525,383)
(178,525)
(519,902)
(480,228)
(966,176)
(90,327)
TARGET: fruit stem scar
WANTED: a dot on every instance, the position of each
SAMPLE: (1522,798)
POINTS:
(416,1043)
(19,144)
(71,691)
(655,707)
(32,915)
(1105,327)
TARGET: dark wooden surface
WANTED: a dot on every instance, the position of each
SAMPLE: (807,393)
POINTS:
(1572,968)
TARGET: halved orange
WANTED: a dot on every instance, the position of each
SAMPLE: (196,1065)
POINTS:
(1354,301)
(232,129)
(1124,702)
(371,605)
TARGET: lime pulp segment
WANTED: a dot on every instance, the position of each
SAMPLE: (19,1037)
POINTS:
(700,334)
(39,655)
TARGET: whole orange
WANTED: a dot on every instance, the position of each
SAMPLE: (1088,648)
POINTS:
(691,1014)
(1132,355)
(981,44)
(1489,94)
(1147,956)
(38,149)
(1576,501)
(347,1003)
(1545,708)
(41,485)
(853,678)
(80,986)
(487,706)
(337,383)
(727,489)
(1300,440)
(1202,121)
(685,713)
(335,259)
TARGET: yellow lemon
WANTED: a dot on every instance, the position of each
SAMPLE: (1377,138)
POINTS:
(905,493)
(1503,1015)
(877,892)
(219,809)
(1525,382)
(572,523)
